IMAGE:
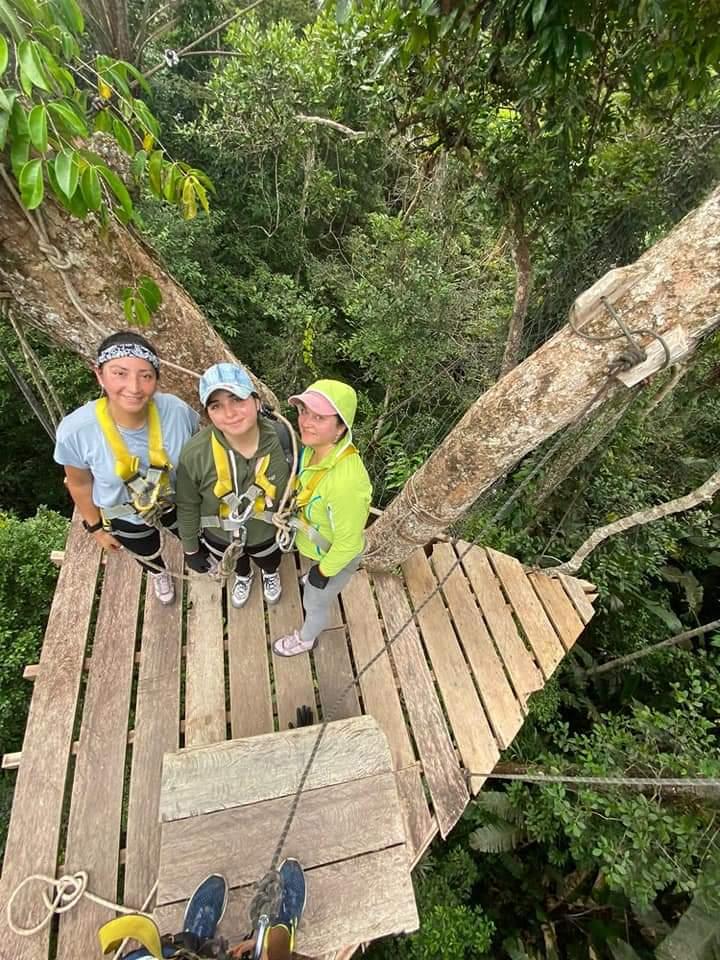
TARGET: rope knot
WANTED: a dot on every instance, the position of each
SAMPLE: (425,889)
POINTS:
(267,898)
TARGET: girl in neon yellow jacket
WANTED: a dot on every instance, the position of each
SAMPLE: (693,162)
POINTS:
(334,494)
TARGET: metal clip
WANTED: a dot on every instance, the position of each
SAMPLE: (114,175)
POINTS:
(262,929)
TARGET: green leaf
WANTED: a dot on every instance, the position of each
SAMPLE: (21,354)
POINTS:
(201,195)
(7,99)
(136,312)
(662,613)
(4,54)
(538,9)
(11,22)
(147,121)
(118,188)
(129,308)
(137,167)
(154,168)
(342,10)
(4,121)
(31,184)
(103,121)
(72,15)
(75,205)
(19,154)
(150,293)
(135,73)
(500,839)
(170,178)
(66,115)
(90,188)
(67,172)
(37,123)
(123,136)
(18,121)
(32,72)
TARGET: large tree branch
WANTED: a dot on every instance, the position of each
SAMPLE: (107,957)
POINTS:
(646,651)
(672,291)
(703,494)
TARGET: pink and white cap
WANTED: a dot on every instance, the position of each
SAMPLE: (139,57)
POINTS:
(317,402)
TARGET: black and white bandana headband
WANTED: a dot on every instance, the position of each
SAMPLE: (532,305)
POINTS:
(118,350)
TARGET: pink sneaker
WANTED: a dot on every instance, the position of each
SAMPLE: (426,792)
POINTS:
(292,644)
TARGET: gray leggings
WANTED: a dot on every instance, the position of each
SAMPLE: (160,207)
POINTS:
(317,602)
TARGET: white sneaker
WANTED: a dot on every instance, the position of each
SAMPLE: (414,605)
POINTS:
(163,586)
(241,590)
(272,587)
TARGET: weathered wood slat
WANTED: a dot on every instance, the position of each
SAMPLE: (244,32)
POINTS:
(333,667)
(333,823)
(529,611)
(204,664)
(293,677)
(251,710)
(378,909)
(561,611)
(201,780)
(525,676)
(420,825)
(93,837)
(443,775)
(379,691)
(580,599)
(470,727)
(157,726)
(34,831)
(501,706)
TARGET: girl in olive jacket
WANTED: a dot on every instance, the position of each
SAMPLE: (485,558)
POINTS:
(334,494)
(241,450)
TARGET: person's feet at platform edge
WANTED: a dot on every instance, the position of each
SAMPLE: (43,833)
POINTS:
(279,940)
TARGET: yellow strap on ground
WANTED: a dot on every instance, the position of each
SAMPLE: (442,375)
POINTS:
(134,926)
(223,484)
(126,465)
(305,495)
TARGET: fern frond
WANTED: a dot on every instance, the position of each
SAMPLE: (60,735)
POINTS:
(496,839)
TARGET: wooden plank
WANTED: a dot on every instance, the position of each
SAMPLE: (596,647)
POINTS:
(34,830)
(333,667)
(204,779)
(157,724)
(501,706)
(579,598)
(470,727)
(293,676)
(204,664)
(379,690)
(420,825)
(444,777)
(332,823)
(539,630)
(348,902)
(93,837)
(251,710)
(561,611)
(525,676)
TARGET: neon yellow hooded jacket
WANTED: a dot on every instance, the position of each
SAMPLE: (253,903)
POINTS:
(340,503)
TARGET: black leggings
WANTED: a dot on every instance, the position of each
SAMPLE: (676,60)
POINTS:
(142,540)
(266,555)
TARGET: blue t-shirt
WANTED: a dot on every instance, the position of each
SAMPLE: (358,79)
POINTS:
(81,443)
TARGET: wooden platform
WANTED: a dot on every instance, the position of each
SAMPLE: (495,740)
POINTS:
(123,680)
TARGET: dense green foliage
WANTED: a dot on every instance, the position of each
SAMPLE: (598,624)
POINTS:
(379,249)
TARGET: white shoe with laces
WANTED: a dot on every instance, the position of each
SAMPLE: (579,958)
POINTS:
(272,586)
(163,586)
(240,593)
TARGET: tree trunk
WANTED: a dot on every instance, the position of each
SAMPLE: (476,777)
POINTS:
(94,266)
(523,289)
(672,288)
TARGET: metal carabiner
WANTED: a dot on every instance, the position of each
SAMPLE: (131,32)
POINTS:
(263,926)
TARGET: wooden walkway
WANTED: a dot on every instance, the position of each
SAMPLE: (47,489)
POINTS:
(123,680)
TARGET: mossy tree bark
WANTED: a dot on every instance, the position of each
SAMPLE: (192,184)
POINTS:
(95,265)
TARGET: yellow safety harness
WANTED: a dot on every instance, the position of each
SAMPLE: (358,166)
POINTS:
(235,509)
(301,499)
(150,494)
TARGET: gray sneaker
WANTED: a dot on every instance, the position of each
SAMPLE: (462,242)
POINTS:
(272,586)
(240,593)
(163,586)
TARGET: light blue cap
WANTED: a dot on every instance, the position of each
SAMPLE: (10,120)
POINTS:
(225,376)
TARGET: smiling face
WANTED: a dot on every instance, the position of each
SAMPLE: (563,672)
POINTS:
(231,415)
(129,384)
(320,432)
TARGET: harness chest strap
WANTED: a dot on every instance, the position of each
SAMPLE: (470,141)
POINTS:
(304,496)
(145,491)
(261,492)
